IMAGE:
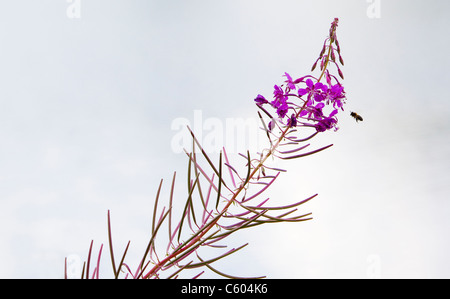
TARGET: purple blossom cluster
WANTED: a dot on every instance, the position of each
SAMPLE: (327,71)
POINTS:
(303,101)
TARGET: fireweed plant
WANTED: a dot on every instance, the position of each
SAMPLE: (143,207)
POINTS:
(221,200)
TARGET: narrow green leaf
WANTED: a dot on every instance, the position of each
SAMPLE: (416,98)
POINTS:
(204,174)
(111,246)
(170,203)
(283,207)
(294,150)
(220,181)
(204,154)
(265,111)
(189,181)
(121,261)
(199,188)
(89,259)
(229,167)
(191,249)
(150,242)
(306,154)
(227,275)
(265,128)
(242,225)
(179,270)
(82,271)
(203,263)
(188,202)
(248,168)
(155,208)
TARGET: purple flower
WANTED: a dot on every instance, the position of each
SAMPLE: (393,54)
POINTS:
(333,113)
(280,101)
(336,92)
(278,94)
(336,95)
(296,81)
(290,83)
(282,110)
(314,111)
(271,125)
(319,90)
(308,89)
(325,124)
(260,100)
(321,87)
(317,111)
(320,96)
(292,121)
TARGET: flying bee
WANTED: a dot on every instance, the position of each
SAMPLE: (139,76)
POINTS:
(356,116)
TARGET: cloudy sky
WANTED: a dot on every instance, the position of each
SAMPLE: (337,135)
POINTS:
(90,92)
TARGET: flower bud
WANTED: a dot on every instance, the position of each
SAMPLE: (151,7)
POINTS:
(341,60)
(328,77)
(340,73)
(337,46)
(323,50)
(314,66)
(322,63)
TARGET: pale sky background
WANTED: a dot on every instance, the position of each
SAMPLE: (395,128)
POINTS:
(86,106)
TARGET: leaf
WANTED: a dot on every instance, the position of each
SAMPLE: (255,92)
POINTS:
(170,203)
(111,246)
(204,154)
(188,201)
(156,205)
(204,174)
(248,168)
(265,129)
(283,207)
(229,167)
(265,111)
(227,275)
(97,269)
(294,150)
(240,225)
(203,263)
(220,181)
(188,251)
(179,270)
(262,190)
(89,260)
(121,261)
(306,154)
(150,243)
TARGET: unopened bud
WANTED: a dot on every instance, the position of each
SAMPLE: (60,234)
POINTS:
(323,50)
(328,77)
(341,60)
(340,73)
(314,66)
(337,46)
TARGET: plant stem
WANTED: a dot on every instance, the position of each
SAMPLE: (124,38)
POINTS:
(196,240)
